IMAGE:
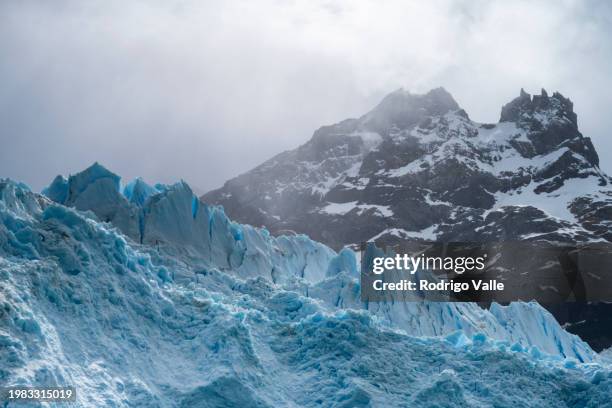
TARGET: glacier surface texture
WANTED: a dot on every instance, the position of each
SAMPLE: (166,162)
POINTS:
(144,296)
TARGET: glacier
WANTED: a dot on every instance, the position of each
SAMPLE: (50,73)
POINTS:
(144,296)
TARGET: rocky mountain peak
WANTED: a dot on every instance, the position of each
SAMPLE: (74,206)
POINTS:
(417,167)
(398,111)
(402,109)
(539,110)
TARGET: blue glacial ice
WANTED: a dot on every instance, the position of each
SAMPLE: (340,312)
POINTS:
(144,296)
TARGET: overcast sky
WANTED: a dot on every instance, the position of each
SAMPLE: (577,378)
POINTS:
(204,90)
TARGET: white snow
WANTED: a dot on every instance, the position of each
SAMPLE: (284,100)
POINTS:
(343,208)
(413,167)
(339,208)
(426,233)
(554,204)
(501,133)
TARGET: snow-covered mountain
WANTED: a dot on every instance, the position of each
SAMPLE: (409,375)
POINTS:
(144,295)
(416,166)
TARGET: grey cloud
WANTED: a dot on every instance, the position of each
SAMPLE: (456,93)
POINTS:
(202,92)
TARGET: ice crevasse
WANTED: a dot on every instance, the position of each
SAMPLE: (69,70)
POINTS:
(142,295)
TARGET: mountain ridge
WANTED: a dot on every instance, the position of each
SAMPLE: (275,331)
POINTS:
(415,165)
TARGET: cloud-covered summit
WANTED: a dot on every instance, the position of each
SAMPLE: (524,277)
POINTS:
(203,91)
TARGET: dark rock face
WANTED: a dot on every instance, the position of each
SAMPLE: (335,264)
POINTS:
(525,109)
(417,167)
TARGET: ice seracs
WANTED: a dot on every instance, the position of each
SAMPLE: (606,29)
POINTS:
(175,222)
(197,310)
